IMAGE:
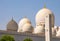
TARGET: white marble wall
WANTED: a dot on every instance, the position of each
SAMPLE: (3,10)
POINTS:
(22,36)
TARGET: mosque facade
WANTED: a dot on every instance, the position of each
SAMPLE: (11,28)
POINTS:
(45,30)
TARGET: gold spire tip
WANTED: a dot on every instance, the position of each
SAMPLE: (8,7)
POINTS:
(44,5)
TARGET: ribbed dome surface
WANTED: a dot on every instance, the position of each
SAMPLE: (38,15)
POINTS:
(12,26)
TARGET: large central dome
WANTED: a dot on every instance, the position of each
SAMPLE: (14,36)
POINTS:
(40,20)
(40,16)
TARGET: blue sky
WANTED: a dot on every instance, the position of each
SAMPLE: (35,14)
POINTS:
(20,8)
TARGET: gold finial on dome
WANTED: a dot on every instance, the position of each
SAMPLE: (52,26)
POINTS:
(44,5)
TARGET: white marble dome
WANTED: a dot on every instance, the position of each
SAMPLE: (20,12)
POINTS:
(58,33)
(27,28)
(53,31)
(56,28)
(22,22)
(39,30)
(40,16)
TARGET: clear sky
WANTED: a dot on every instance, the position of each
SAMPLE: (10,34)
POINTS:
(20,8)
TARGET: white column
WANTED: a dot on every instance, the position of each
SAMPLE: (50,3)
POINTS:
(48,29)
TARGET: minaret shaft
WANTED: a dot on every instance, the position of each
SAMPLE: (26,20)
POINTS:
(48,30)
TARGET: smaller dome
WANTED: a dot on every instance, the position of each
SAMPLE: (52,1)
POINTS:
(39,30)
(12,26)
(27,28)
(53,31)
(58,33)
(56,28)
(22,22)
